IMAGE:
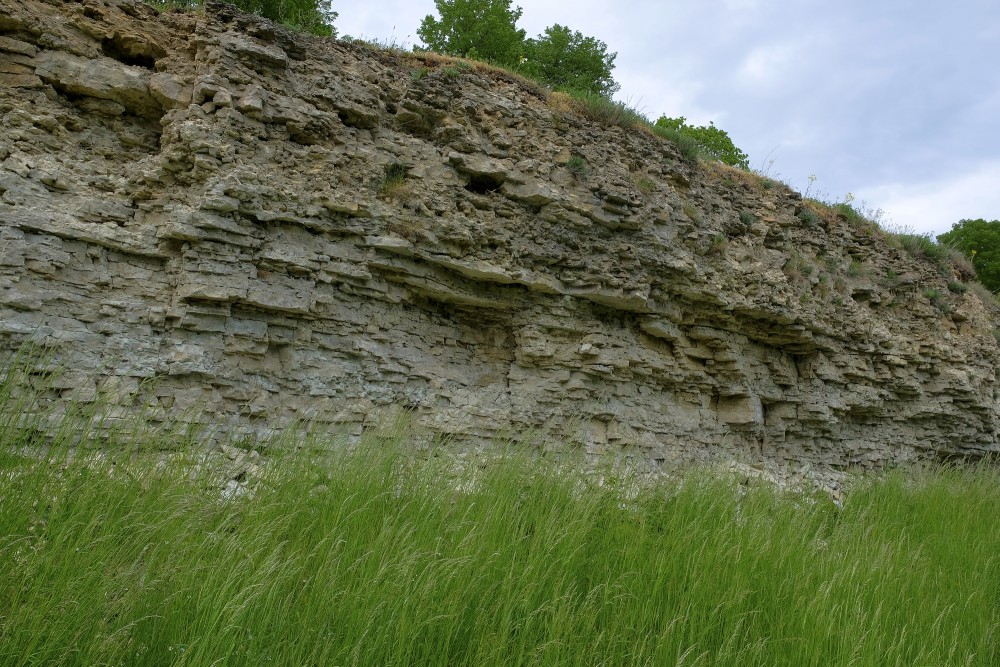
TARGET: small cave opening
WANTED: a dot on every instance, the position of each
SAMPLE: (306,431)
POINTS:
(483,184)
(112,49)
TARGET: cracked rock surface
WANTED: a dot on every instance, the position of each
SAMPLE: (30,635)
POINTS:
(210,216)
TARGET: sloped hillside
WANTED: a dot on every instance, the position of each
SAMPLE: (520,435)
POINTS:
(209,215)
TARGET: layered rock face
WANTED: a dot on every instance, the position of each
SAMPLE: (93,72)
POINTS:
(205,213)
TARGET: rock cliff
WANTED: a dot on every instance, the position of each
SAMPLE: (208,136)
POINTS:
(209,215)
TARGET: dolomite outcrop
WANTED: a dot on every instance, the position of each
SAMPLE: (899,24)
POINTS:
(209,216)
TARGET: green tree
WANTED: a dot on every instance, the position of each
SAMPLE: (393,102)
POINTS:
(567,59)
(980,240)
(715,142)
(482,29)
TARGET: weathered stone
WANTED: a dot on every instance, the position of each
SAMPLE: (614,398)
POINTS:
(20,80)
(170,91)
(103,78)
(11,45)
(250,51)
(252,101)
(237,234)
(742,410)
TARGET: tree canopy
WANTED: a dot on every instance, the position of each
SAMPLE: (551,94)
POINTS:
(487,30)
(482,29)
(714,141)
(980,240)
(564,58)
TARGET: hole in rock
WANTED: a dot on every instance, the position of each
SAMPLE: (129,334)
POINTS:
(484,183)
(129,56)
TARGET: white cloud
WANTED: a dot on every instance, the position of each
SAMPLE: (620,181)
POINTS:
(770,65)
(932,207)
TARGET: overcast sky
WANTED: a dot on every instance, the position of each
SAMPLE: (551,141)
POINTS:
(896,102)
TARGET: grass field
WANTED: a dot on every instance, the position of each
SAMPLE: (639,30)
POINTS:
(375,556)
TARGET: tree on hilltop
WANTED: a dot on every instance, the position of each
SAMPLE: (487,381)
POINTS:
(980,240)
(481,29)
(567,59)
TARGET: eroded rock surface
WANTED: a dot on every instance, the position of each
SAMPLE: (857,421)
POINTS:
(243,225)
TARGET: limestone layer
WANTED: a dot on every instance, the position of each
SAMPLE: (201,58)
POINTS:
(210,216)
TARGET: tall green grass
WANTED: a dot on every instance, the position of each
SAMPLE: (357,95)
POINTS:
(375,556)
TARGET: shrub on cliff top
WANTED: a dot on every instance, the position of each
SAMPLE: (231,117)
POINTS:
(980,240)
(605,110)
(715,142)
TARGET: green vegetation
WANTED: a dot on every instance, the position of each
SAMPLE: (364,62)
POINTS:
(957,287)
(808,217)
(605,111)
(130,554)
(577,166)
(315,16)
(714,141)
(375,558)
(717,245)
(487,30)
(922,246)
(690,148)
(480,29)
(568,60)
(393,177)
(980,241)
(646,185)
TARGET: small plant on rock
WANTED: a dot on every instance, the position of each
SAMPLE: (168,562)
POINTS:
(718,245)
(937,299)
(957,287)
(393,178)
(645,185)
(689,147)
(577,166)
(808,217)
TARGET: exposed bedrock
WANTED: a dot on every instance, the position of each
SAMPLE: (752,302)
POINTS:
(220,219)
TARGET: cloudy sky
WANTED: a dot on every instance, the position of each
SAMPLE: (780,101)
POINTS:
(896,102)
